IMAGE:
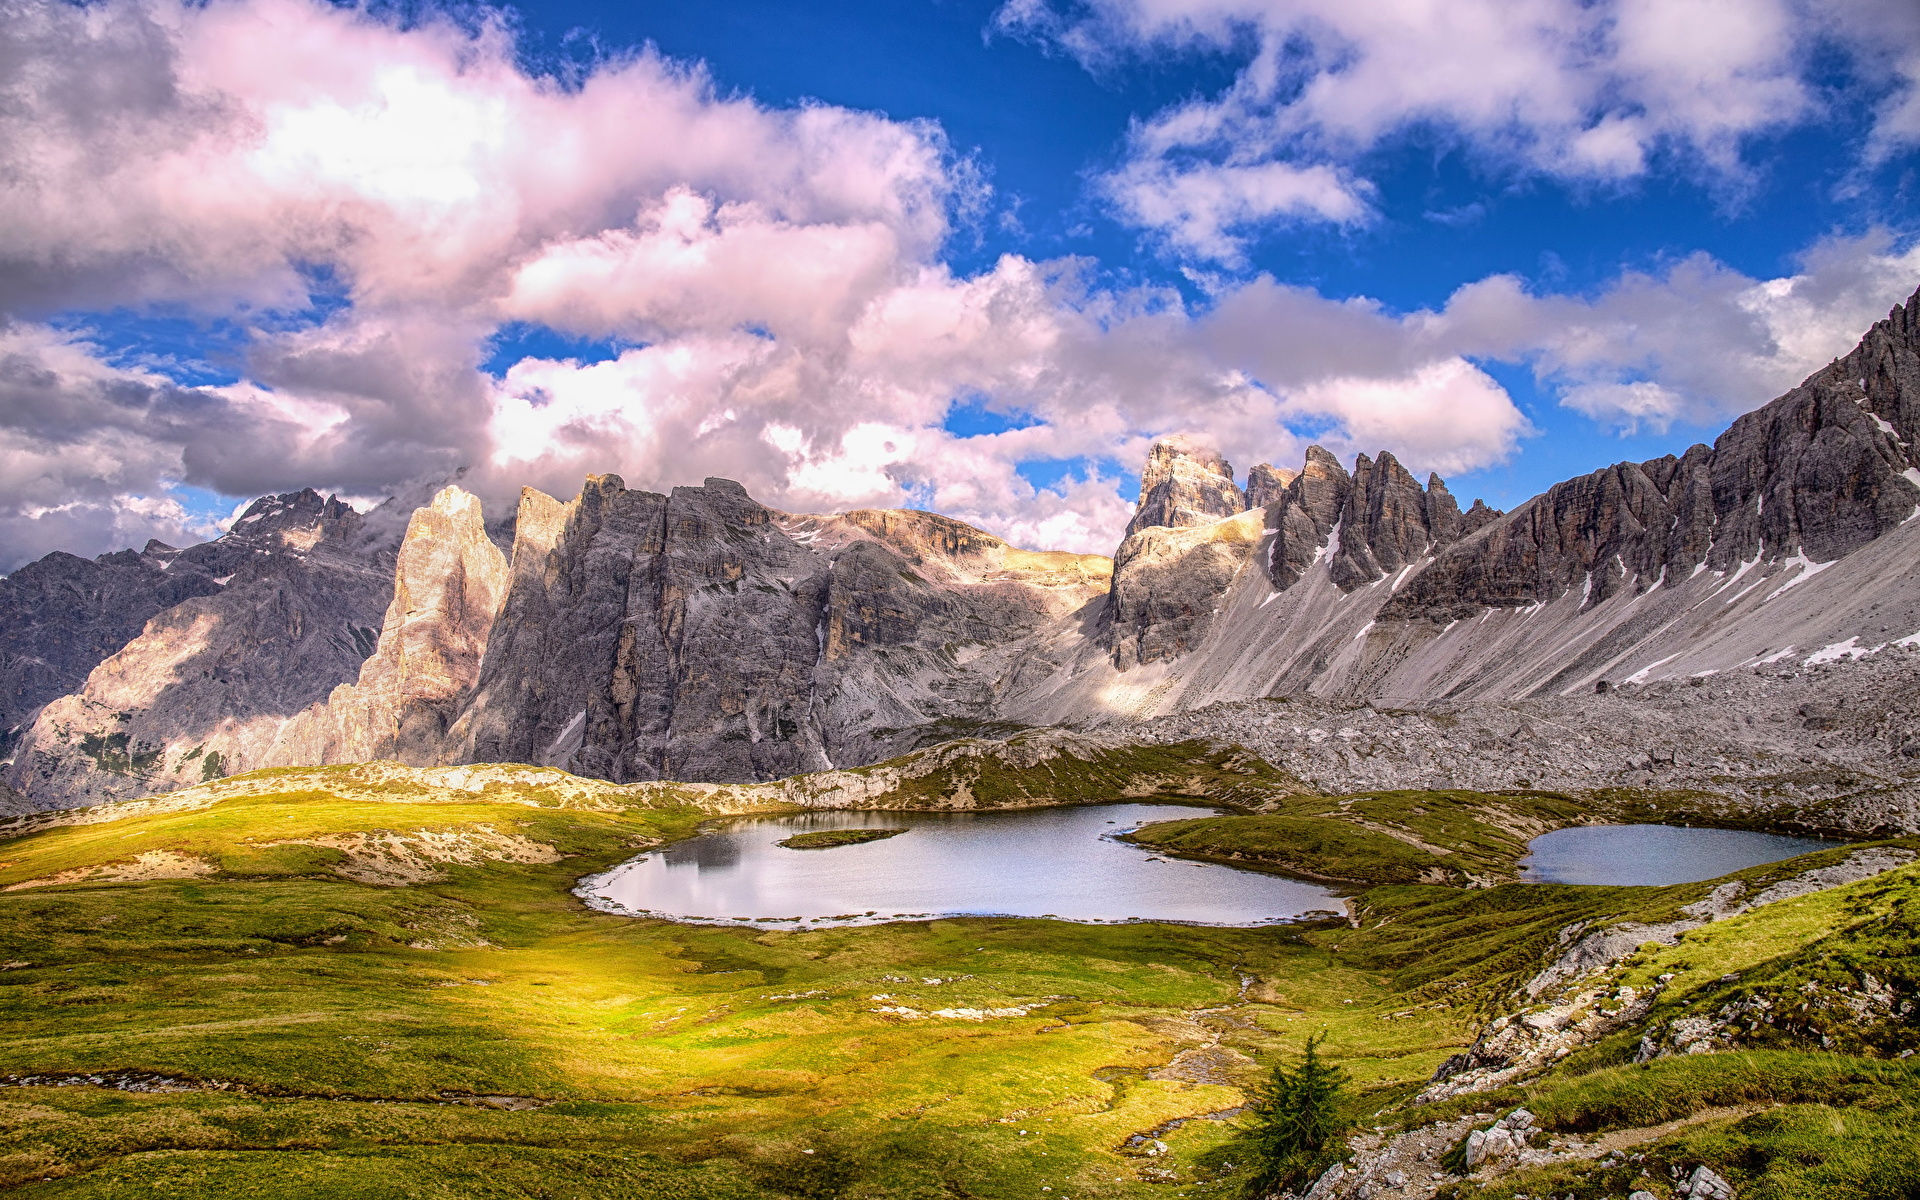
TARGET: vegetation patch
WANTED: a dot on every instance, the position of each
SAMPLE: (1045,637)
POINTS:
(826,839)
(475,1030)
(1457,838)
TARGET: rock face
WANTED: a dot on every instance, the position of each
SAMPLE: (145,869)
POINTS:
(1791,537)
(60,616)
(1815,475)
(701,635)
(1184,484)
(449,583)
(208,682)
(1265,483)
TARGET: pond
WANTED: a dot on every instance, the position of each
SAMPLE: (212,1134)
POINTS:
(1654,855)
(1036,862)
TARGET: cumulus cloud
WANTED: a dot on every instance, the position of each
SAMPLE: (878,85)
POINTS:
(1697,343)
(1580,90)
(1201,208)
(374,203)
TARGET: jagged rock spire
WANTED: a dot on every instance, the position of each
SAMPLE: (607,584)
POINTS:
(1185,484)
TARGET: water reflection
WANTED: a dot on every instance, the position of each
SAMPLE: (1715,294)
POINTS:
(1057,862)
(1654,855)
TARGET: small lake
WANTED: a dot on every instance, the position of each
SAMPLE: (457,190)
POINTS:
(1036,862)
(1654,855)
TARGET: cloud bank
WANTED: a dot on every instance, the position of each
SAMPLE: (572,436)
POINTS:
(1593,92)
(377,204)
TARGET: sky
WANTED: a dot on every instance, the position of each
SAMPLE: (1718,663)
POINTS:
(963,256)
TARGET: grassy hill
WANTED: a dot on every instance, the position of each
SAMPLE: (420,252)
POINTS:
(369,981)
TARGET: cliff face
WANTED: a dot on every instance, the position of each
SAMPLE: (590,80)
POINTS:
(1793,536)
(701,635)
(1184,484)
(449,582)
(1169,584)
(1815,475)
(60,616)
(294,610)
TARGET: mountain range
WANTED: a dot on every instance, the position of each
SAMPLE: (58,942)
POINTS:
(702,636)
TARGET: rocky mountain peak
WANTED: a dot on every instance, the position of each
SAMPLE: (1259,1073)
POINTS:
(1184,484)
(1386,521)
(1816,474)
(1265,483)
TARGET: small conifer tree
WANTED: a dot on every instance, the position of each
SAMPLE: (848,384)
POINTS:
(1293,1125)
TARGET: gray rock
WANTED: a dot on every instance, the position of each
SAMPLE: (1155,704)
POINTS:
(1819,473)
(1704,1184)
(303,582)
(1185,484)
(1265,482)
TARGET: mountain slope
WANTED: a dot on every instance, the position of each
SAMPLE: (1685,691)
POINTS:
(1792,537)
(209,680)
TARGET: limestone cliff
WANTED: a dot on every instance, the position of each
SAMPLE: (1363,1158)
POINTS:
(60,616)
(701,635)
(209,680)
(1815,475)
(1184,484)
(1792,538)
(449,583)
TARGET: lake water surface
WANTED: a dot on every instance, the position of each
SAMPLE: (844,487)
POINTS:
(1037,862)
(1654,855)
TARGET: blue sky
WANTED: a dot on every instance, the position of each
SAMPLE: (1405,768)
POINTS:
(971,256)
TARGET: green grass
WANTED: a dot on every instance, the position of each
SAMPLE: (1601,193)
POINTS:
(826,839)
(339,1030)
(1444,837)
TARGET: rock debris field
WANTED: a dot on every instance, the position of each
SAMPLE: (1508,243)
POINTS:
(1838,741)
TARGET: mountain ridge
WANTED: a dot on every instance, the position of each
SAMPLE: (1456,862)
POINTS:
(700,635)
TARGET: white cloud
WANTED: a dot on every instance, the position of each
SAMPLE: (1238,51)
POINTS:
(1699,343)
(1580,90)
(771,282)
(1446,416)
(1200,208)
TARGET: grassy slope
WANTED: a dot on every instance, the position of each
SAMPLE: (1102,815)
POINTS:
(1445,837)
(684,1061)
(660,1043)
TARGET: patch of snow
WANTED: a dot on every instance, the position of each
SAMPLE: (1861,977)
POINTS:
(1364,630)
(1780,654)
(1911,475)
(1640,676)
(1839,650)
(1912,639)
(1808,569)
(223,580)
(1884,425)
(1333,541)
(1586,588)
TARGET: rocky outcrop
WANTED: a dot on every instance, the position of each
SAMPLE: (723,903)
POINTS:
(1167,585)
(1184,484)
(209,681)
(449,583)
(1385,522)
(62,615)
(1265,483)
(1170,584)
(701,635)
(1815,475)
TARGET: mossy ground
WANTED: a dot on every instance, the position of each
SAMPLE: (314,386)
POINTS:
(827,839)
(353,1026)
(1444,837)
